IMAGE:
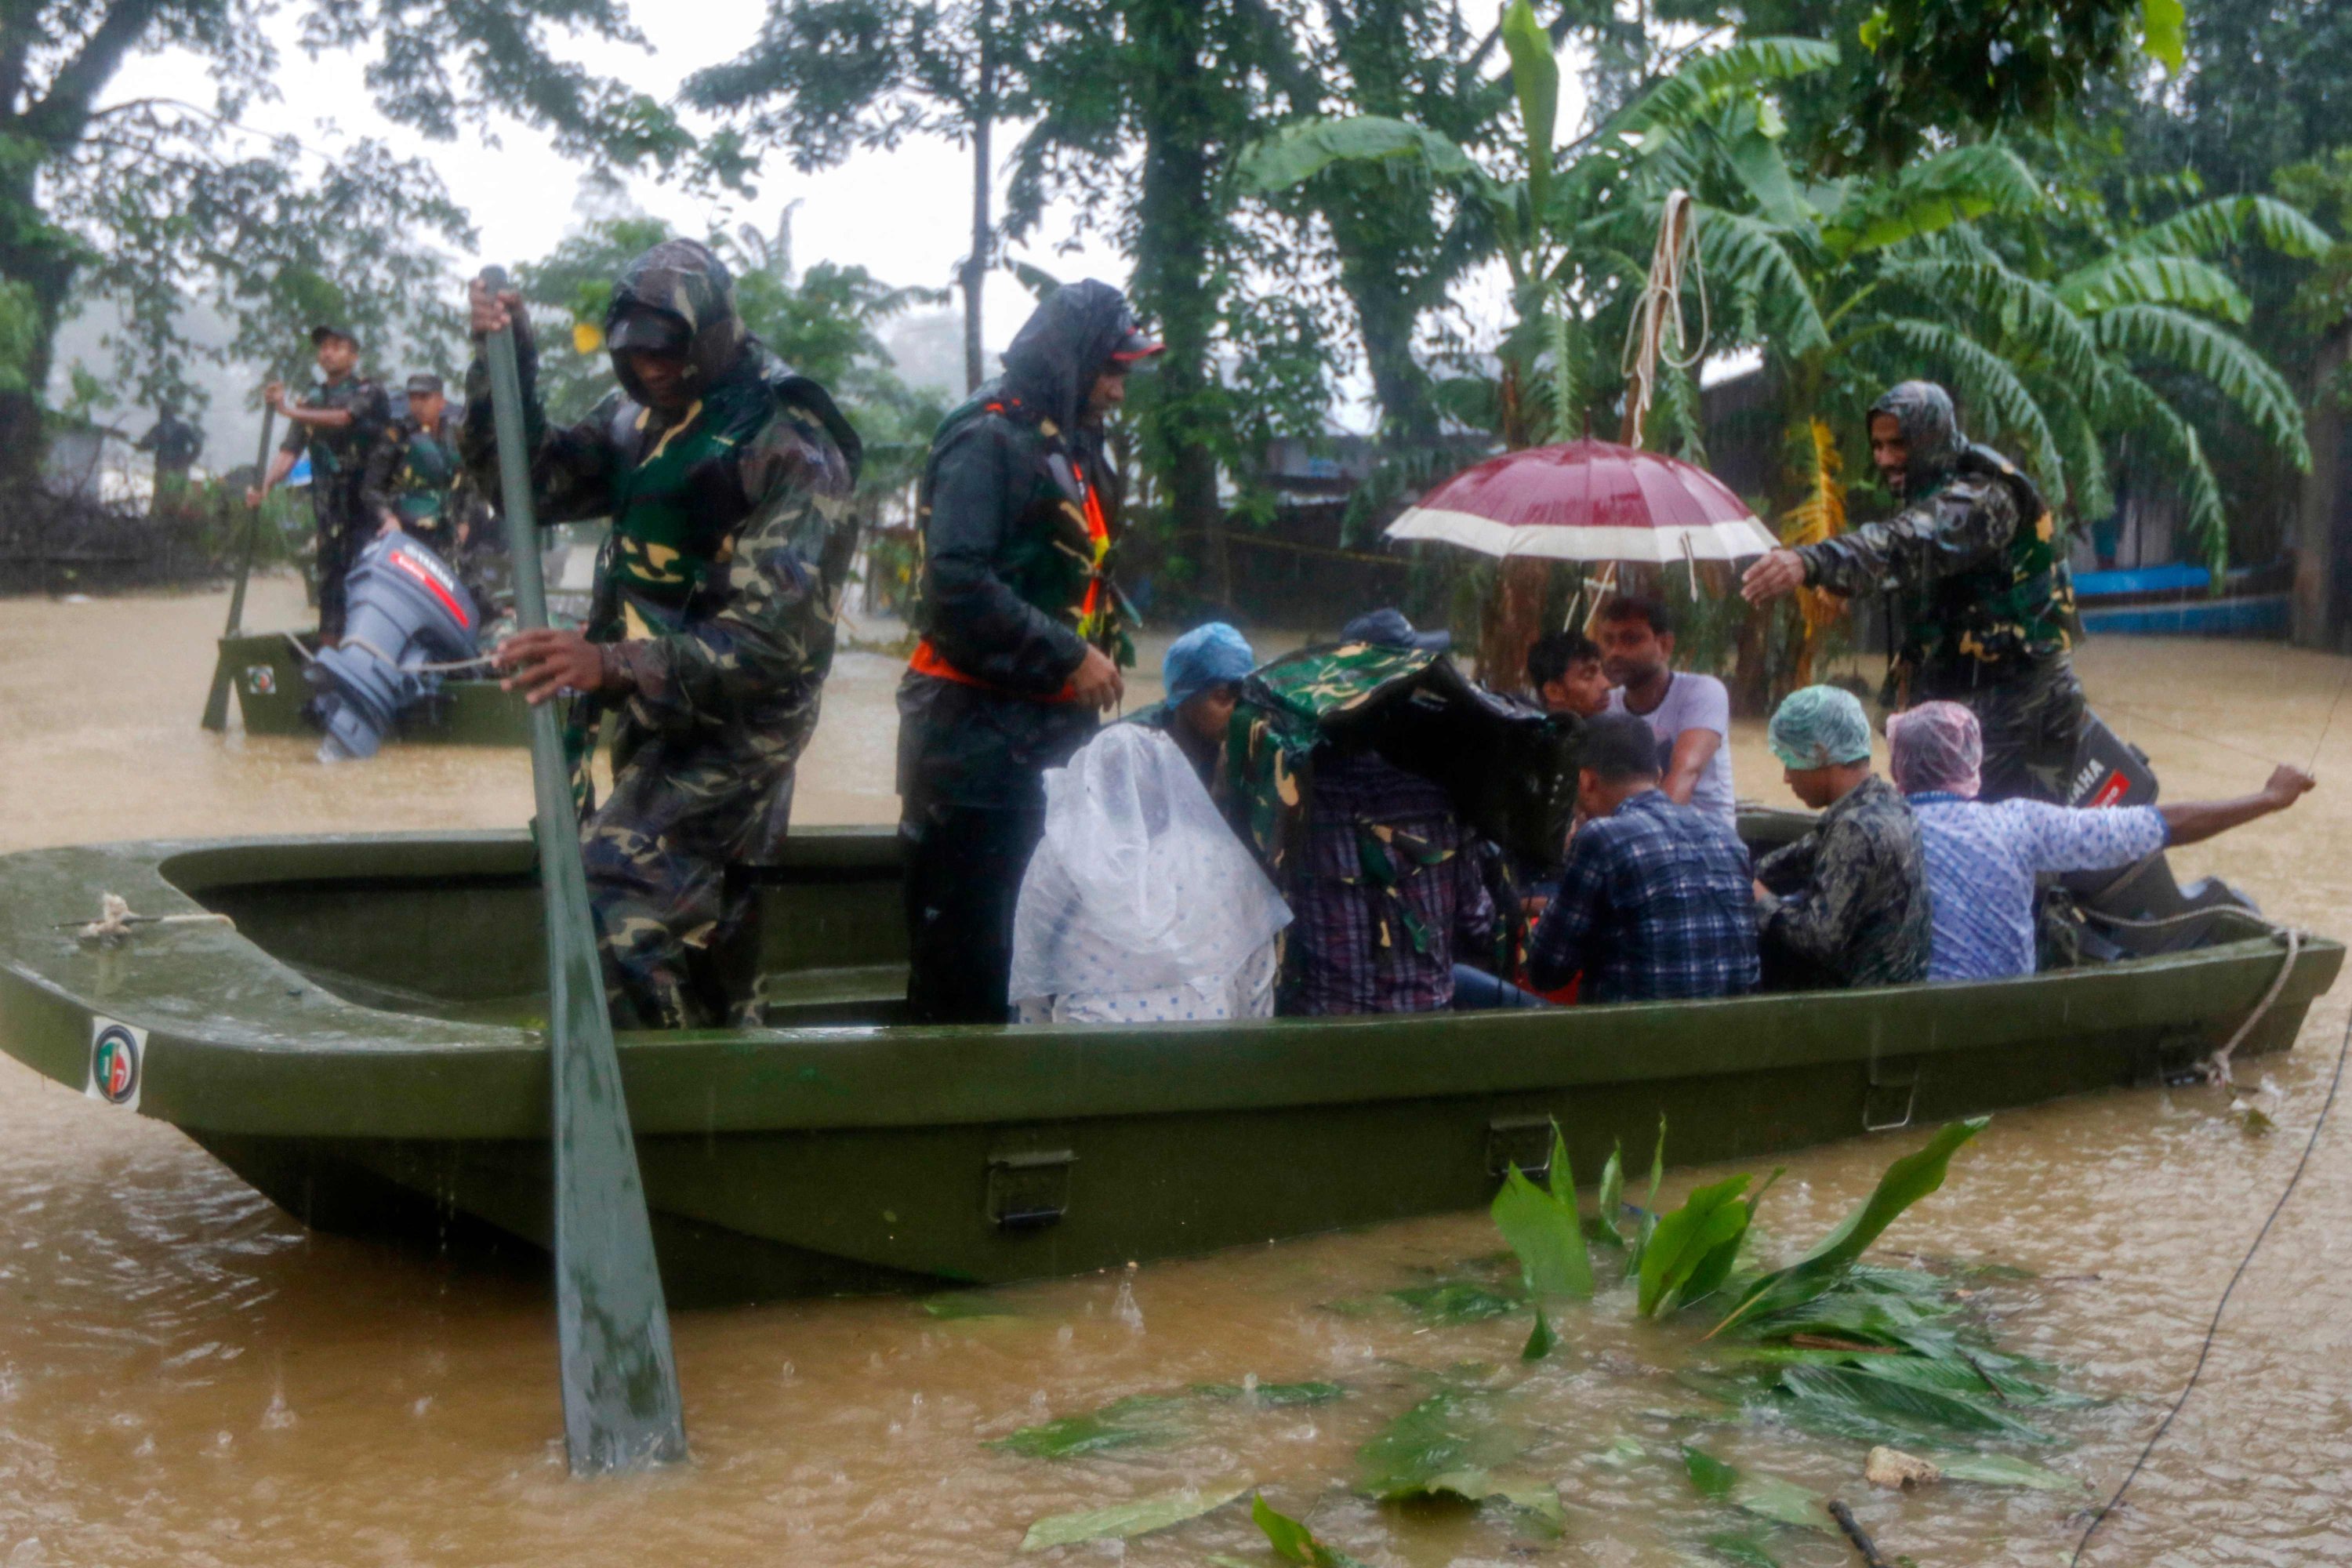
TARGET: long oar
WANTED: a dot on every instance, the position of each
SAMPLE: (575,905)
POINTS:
(216,700)
(621,1407)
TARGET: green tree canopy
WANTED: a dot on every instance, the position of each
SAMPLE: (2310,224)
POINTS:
(151,203)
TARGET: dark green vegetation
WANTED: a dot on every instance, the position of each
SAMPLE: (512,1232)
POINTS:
(364,1049)
(157,205)
(1825,1353)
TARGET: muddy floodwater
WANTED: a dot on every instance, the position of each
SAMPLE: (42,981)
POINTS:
(186,1377)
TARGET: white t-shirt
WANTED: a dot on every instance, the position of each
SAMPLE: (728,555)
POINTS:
(1694,703)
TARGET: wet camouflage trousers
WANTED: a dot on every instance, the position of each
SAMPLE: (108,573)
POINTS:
(2032,724)
(676,912)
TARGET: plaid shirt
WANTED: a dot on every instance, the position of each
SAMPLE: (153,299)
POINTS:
(1656,902)
(1387,887)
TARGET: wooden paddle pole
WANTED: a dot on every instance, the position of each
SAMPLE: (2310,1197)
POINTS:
(621,1405)
(216,700)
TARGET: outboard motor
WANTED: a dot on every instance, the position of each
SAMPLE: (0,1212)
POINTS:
(406,609)
(2140,909)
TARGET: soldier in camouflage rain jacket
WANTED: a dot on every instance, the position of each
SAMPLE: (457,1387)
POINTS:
(1022,633)
(1976,570)
(727,479)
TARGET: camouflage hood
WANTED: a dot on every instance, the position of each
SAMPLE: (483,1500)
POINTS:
(1931,434)
(681,278)
(1054,358)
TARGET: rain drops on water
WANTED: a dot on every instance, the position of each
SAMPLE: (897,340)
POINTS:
(1125,1309)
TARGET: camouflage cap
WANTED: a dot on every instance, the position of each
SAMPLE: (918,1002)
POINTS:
(424,383)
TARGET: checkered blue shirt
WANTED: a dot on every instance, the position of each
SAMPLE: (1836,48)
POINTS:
(1656,901)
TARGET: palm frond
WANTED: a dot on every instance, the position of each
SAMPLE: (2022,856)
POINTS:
(2023,308)
(2253,388)
(2181,280)
(2216,225)
(1680,100)
(1985,381)
(2133,405)
(1742,255)
(2086,464)
(1297,153)
(1932,195)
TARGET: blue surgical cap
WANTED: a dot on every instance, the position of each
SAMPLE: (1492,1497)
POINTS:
(1204,656)
(1820,726)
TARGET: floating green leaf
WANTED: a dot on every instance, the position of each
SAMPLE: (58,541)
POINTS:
(1452,1442)
(1745,1548)
(1782,1503)
(1125,1423)
(1766,1497)
(1905,1182)
(1273,1396)
(1450,1303)
(2002,1471)
(1293,1541)
(1712,1477)
(1852,1398)
(1122,1520)
(1688,1241)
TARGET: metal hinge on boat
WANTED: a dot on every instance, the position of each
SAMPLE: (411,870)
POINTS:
(1030,1190)
(1889,1079)
(1521,1141)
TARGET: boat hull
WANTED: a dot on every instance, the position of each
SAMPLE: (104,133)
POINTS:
(265,670)
(357,1050)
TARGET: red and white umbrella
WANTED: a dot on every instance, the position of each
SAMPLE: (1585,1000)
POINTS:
(1589,500)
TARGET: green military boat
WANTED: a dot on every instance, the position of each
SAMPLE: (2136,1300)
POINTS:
(265,670)
(361,1046)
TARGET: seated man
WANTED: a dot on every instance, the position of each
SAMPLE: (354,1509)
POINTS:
(1847,903)
(1655,901)
(1386,887)
(1139,905)
(1982,857)
(1689,714)
(1564,671)
(1203,672)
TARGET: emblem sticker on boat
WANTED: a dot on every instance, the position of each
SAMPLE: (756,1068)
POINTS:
(118,1060)
(260,679)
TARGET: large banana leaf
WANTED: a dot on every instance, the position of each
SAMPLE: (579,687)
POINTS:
(1298,153)
(1682,99)
(1989,386)
(1535,76)
(1743,255)
(2179,456)
(1905,1182)
(2022,308)
(2180,281)
(2216,225)
(1932,195)
(2175,338)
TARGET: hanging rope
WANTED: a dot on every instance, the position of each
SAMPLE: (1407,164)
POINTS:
(1657,332)
(116,921)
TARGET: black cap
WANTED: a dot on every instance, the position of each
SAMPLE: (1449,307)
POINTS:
(1389,628)
(325,330)
(651,332)
(424,383)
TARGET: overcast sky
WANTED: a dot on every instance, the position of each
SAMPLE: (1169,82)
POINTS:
(903,214)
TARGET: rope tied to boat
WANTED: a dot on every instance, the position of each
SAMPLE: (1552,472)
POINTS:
(117,920)
(2216,1067)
